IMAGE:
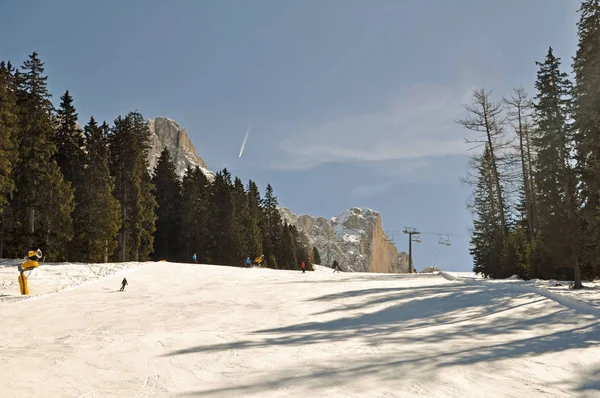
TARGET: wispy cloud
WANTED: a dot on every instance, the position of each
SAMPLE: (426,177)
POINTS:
(386,176)
(363,191)
(420,123)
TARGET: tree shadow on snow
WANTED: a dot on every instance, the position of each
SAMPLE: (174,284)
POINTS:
(443,321)
(589,385)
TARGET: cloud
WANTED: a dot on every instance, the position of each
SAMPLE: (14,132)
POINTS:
(420,123)
(362,191)
(386,176)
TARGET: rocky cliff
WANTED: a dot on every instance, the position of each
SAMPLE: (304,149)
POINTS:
(165,132)
(354,238)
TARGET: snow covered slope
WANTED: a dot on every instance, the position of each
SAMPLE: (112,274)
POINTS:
(355,238)
(209,331)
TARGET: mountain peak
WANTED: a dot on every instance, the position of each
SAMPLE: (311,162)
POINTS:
(355,238)
(166,132)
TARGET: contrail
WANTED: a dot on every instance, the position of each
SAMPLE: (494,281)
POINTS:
(244,143)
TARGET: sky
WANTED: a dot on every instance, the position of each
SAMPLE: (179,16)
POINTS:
(351,103)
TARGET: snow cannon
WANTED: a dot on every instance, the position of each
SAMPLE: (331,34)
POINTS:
(29,265)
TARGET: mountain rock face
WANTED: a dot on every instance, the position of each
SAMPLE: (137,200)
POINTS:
(165,132)
(354,238)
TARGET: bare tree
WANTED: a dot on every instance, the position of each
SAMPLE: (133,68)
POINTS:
(484,116)
(520,108)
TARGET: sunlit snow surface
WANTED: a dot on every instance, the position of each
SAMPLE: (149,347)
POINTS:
(201,330)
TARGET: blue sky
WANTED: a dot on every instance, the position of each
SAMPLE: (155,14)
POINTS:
(352,103)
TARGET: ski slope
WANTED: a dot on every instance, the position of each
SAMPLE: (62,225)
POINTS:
(207,331)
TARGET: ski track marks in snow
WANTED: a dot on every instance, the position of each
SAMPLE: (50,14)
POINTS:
(199,330)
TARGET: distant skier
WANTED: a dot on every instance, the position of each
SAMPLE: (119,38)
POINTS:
(195,258)
(336,268)
(303,267)
(248,262)
(123,284)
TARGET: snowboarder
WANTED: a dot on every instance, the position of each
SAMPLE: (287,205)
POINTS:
(194,258)
(123,284)
(303,267)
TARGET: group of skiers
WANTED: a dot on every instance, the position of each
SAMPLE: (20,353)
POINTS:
(34,256)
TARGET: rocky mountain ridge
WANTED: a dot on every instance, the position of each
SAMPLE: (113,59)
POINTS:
(355,238)
(165,132)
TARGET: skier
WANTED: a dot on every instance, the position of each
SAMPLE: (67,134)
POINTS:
(194,258)
(303,267)
(336,268)
(123,284)
(248,262)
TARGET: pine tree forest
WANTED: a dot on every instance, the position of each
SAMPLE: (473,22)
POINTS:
(86,194)
(535,168)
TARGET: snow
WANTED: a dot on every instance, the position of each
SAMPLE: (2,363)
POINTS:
(202,330)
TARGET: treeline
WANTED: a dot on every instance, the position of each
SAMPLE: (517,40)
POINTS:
(88,196)
(536,179)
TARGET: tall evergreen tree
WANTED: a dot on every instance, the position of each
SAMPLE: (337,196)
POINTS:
(168,197)
(555,177)
(44,201)
(257,218)
(288,249)
(486,237)
(273,228)
(69,142)
(70,157)
(587,124)
(242,218)
(195,210)
(8,146)
(129,145)
(8,127)
(223,231)
(316,256)
(97,230)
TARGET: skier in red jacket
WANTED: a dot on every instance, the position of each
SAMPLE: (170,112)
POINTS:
(303,267)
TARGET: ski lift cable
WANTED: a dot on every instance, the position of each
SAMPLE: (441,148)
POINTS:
(433,233)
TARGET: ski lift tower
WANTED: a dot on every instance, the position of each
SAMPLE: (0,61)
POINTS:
(410,232)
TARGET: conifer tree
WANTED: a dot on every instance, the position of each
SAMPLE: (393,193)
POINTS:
(195,210)
(257,218)
(129,145)
(69,142)
(8,146)
(587,126)
(316,256)
(224,234)
(273,228)
(98,229)
(44,201)
(555,177)
(168,197)
(8,127)
(70,157)
(288,249)
(242,218)
(486,237)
